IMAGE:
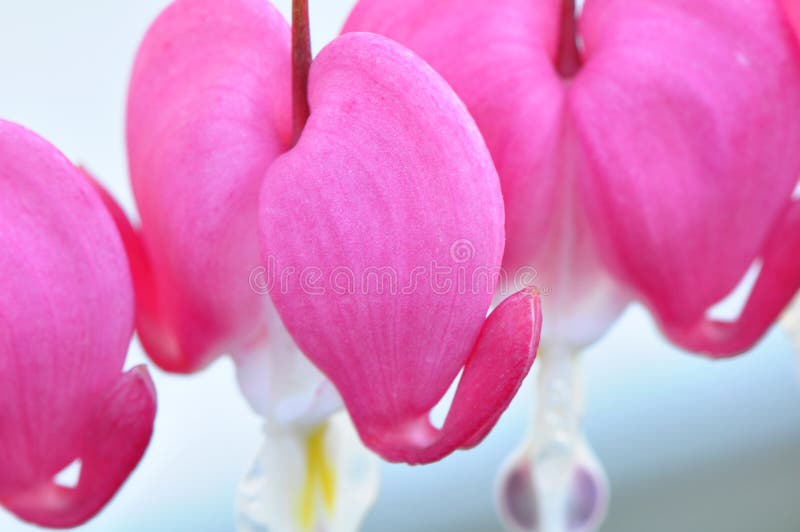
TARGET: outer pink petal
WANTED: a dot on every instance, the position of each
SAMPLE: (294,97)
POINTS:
(777,284)
(208,111)
(389,180)
(505,348)
(792,8)
(66,316)
(499,57)
(120,431)
(157,340)
(689,116)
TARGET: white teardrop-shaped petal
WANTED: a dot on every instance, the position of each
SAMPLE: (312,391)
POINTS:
(319,479)
(280,383)
(523,491)
(554,481)
(580,298)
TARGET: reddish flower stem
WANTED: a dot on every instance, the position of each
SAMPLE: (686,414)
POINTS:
(301,63)
(569,57)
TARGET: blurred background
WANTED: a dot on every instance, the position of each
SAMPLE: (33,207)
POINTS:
(689,445)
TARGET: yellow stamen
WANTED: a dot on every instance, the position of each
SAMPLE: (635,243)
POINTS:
(320,477)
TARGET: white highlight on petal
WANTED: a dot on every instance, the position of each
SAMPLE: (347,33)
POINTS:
(281,493)
(743,60)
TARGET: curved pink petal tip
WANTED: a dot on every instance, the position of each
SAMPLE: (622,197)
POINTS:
(119,433)
(382,229)
(66,312)
(777,283)
(499,361)
(676,157)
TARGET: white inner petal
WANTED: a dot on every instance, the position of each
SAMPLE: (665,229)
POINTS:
(280,383)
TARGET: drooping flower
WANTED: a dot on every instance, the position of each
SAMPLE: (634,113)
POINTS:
(643,147)
(210,109)
(66,320)
(389,184)
(647,151)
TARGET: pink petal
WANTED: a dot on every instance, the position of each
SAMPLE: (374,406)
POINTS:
(792,8)
(157,340)
(650,163)
(499,57)
(391,177)
(120,432)
(506,346)
(686,110)
(208,111)
(67,317)
(778,281)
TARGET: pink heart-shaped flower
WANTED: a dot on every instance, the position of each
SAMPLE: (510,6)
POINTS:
(66,319)
(664,150)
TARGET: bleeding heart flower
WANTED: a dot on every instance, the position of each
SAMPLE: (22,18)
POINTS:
(643,149)
(66,319)
(210,109)
(391,179)
(652,158)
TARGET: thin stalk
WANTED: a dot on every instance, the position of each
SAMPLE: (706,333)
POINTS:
(569,57)
(557,427)
(301,63)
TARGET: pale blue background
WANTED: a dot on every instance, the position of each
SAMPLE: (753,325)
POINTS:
(690,445)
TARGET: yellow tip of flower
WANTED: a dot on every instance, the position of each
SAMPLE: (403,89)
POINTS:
(320,481)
